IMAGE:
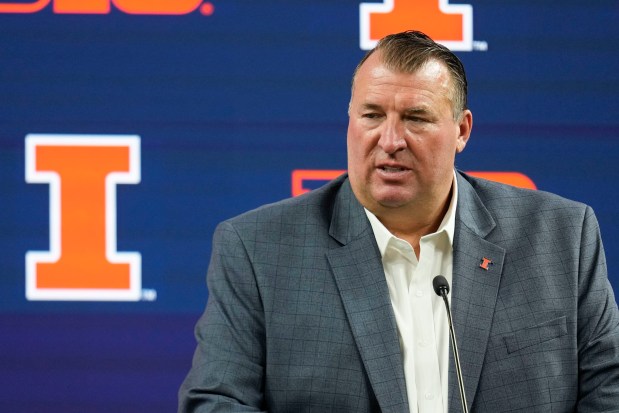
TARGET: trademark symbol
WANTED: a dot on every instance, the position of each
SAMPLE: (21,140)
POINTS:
(480,45)
(149,295)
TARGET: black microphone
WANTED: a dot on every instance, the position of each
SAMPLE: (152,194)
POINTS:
(441,288)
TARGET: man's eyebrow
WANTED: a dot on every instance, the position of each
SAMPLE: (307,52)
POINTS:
(417,110)
(370,106)
(411,111)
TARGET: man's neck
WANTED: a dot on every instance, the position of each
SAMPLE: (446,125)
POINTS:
(411,224)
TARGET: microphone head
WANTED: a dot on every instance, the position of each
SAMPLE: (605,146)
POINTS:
(440,285)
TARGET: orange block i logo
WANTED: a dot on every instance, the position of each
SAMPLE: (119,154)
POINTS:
(82,172)
(448,24)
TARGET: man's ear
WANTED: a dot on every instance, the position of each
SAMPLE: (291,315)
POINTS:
(465,126)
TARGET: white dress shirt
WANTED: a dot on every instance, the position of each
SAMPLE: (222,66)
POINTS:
(420,314)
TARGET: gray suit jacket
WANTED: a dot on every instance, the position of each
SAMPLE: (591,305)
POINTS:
(299,317)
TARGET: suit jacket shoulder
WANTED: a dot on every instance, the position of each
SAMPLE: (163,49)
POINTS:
(501,198)
(313,208)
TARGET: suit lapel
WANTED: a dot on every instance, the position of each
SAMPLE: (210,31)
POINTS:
(358,272)
(477,268)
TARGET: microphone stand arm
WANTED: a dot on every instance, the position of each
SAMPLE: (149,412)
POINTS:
(454,348)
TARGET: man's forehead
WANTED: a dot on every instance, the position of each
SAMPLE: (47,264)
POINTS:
(377,59)
(382,82)
(375,79)
(375,68)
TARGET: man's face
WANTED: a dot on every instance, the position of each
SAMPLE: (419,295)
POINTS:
(402,136)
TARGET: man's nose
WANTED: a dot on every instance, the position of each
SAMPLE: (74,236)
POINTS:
(392,137)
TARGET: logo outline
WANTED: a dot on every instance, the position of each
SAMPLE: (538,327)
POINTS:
(466,10)
(133,259)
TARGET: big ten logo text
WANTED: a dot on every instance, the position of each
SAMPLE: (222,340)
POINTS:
(304,180)
(448,24)
(82,172)
(159,7)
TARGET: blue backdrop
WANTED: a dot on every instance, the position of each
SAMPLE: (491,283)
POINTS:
(228,100)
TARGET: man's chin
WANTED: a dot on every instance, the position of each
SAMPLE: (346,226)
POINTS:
(393,199)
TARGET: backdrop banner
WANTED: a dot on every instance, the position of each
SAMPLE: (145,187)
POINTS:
(130,128)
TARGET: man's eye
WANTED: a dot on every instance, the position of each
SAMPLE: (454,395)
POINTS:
(416,119)
(371,115)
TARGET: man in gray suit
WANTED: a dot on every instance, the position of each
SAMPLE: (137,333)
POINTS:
(324,302)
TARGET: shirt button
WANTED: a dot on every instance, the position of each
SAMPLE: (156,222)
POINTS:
(422,343)
(419,293)
(429,396)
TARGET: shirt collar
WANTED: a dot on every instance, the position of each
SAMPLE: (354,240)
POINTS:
(448,224)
